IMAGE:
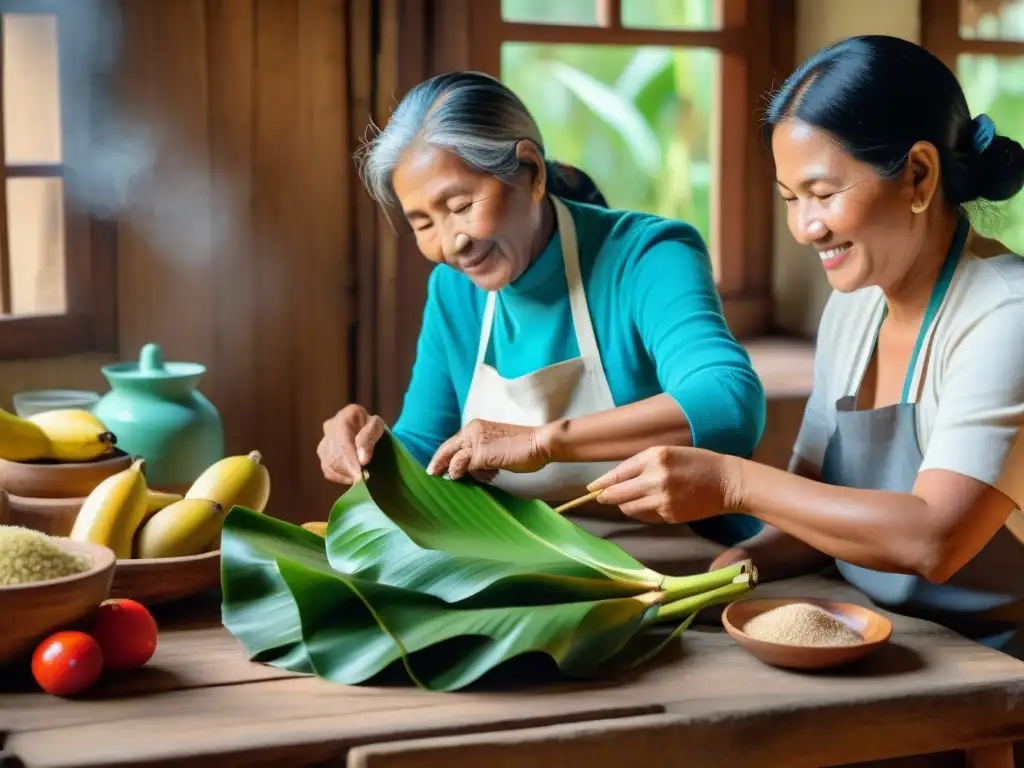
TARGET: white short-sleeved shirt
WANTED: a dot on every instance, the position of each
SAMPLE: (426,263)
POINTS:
(969,383)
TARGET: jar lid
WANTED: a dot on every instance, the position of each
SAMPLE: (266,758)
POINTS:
(151,365)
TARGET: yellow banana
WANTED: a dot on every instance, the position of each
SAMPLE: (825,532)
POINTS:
(157,500)
(160,499)
(234,481)
(320,529)
(21,440)
(186,527)
(74,433)
(113,511)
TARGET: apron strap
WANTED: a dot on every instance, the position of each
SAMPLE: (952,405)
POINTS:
(585,337)
(485,328)
(915,371)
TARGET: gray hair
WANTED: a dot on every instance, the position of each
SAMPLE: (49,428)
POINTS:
(474,116)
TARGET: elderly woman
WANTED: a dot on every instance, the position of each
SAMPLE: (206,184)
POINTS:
(908,470)
(559,336)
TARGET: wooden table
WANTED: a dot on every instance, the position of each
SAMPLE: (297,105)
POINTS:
(706,703)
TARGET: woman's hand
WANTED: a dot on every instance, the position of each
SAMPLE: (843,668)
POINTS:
(347,444)
(670,485)
(483,447)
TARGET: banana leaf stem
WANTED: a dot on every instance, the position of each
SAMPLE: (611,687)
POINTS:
(679,587)
(735,589)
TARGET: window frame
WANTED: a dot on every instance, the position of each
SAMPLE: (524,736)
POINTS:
(90,321)
(756,45)
(940,34)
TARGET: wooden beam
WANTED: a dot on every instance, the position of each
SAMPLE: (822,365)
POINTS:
(5,256)
(940,31)
(363,373)
(29,337)
(34,171)
(609,14)
(1004,49)
(723,40)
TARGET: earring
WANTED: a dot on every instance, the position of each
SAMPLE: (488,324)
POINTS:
(917,207)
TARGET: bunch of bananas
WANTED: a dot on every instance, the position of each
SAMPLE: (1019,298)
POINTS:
(67,434)
(124,514)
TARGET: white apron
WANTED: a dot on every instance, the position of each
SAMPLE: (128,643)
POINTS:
(570,389)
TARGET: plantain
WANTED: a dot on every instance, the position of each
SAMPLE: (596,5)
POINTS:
(114,510)
(234,481)
(185,527)
(75,434)
(319,528)
(21,440)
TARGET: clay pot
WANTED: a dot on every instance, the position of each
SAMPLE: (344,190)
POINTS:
(59,480)
(47,495)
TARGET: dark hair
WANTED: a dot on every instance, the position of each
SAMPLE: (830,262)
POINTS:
(879,95)
(478,118)
(570,182)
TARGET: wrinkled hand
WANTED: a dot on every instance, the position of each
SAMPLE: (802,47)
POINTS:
(347,444)
(483,447)
(669,485)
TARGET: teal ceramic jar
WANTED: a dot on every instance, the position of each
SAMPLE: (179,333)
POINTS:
(156,412)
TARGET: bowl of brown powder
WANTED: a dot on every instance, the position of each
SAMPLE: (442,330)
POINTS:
(805,633)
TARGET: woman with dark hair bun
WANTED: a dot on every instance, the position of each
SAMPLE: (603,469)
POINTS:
(559,336)
(908,470)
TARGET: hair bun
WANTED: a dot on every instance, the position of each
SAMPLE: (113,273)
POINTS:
(996,173)
(573,184)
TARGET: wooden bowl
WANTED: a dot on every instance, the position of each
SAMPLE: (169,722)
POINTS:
(55,517)
(33,611)
(59,480)
(874,629)
(162,580)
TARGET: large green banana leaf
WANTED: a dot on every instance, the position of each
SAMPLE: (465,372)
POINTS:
(290,608)
(465,519)
(448,579)
(363,541)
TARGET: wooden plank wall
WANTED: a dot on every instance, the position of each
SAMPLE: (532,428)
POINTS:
(251,248)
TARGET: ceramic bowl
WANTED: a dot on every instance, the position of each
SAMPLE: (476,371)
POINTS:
(33,611)
(153,581)
(55,517)
(59,480)
(874,629)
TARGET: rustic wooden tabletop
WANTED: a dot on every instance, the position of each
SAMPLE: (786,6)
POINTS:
(705,703)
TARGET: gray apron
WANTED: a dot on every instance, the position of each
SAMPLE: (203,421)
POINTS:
(878,450)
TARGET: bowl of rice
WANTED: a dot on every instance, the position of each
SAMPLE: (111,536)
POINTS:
(47,583)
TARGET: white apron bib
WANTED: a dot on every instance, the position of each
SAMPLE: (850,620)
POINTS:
(570,389)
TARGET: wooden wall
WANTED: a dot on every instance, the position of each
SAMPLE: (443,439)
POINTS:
(244,251)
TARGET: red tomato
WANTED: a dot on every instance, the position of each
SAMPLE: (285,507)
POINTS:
(126,632)
(67,663)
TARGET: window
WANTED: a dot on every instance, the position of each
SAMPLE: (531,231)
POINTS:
(659,103)
(55,296)
(983,42)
